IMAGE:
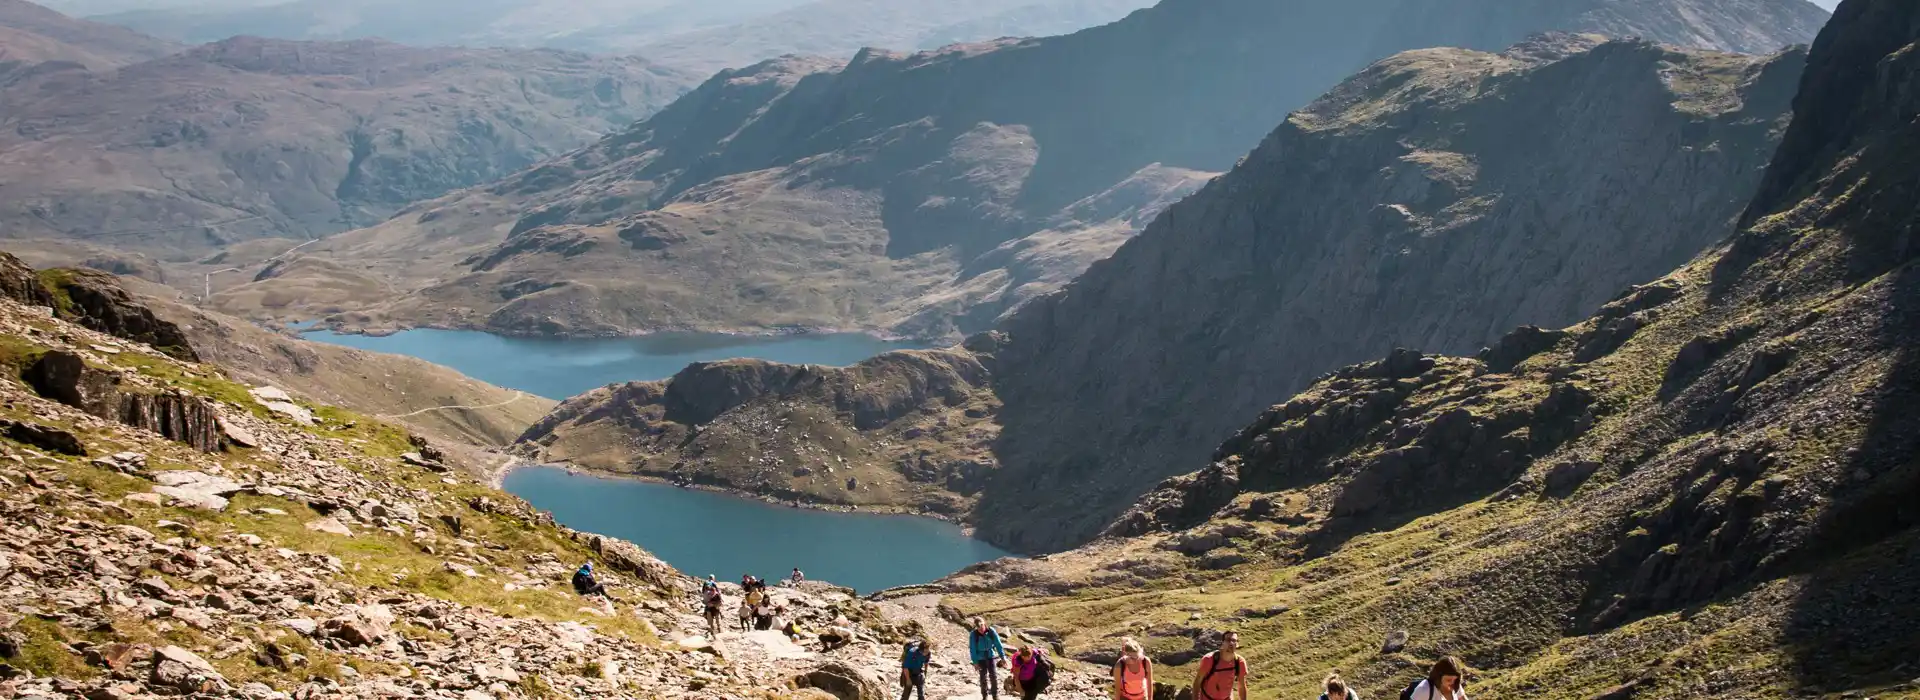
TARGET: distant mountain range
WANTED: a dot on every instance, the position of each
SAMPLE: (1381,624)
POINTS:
(698,35)
(924,194)
(113,137)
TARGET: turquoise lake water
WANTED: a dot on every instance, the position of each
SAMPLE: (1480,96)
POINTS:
(698,532)
(701,532)
(561,367)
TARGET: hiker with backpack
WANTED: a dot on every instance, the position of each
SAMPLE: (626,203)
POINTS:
(585,583)
(712,603)
(1222,672)
(1132,672)
(913,668)
(988,654)
(1032,671)
(1446,680)
(1337,689)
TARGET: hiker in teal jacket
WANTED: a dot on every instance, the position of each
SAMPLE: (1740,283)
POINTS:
(984,644)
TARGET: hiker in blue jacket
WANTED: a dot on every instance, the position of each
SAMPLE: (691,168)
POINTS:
(988,653)
(913,668)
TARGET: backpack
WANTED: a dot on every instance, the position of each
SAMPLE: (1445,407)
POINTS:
(1239,668)
(1042,672)
(916,655)
(1407,694)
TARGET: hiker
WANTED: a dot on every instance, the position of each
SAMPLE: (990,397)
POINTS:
(1133,672)
(713,604)
(1032,670)
(795,631)
(797,576)
(839,635)
(1222,672)
(711,584)
(1337,689)
(763,615)
(913,668)
(1446,680)
(585,583)
(744,615)
(983,645)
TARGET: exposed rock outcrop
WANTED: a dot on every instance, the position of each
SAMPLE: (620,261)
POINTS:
(20,283)
(96,300)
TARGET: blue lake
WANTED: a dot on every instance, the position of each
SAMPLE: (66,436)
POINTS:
(558,368)
(698,532)
(701,533)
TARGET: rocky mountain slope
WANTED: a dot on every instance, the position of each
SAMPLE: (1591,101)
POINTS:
(31,34)
(898,192)
(171,532)
(1440,197)
(252,137)
(467,415)
(1705,489)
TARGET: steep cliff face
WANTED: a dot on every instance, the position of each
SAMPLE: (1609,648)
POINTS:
(1714,471)
(876,194)
(249,138)
(1433,201)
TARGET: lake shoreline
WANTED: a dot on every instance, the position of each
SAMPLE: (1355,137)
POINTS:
(497,479)
(384,330)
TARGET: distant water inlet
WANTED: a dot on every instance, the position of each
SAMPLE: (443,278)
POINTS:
(702,533)
(558,368)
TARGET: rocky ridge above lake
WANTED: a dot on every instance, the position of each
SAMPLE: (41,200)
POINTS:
(928,194)
(1440,195)
(1705,489)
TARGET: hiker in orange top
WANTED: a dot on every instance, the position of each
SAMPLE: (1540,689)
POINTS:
(1133,672)
(1221,672)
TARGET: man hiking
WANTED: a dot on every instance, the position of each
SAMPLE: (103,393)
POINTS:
(983,644)
(913,668)
(1222,672)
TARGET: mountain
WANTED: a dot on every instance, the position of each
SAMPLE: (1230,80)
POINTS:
(925,194)
(1706,489)
(252,137)
(31,34)
(701,37)
(840,28)
(1441,197)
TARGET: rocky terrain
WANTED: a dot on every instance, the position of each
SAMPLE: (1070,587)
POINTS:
(1703,490)
(1436,198)
(249,138)
(234,541)
(925,194)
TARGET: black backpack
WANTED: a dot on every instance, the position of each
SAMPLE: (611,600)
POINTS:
(1408,693)
(1042,673)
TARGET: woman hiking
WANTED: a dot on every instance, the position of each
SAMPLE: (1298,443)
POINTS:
(711,602)
(1447,680)
(1337,689)
(988,654)
(1133,672)
(1222,672)
(1032,671)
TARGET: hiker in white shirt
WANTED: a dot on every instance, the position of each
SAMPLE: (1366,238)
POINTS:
(1445,681)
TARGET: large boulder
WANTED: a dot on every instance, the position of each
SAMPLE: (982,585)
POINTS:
(178,669)
(366,625)
(43,437)
(629,558)
(65,377)
(842,681)
(96,300)
(19,283)
(196,489)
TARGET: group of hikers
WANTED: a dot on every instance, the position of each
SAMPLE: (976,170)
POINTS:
(1220,675)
